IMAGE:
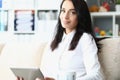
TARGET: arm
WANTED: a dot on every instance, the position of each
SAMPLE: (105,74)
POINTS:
(47,78)
(90,58)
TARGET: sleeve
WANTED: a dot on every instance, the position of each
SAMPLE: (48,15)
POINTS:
(90,58)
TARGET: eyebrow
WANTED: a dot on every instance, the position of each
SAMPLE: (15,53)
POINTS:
(69,9)
(72,10)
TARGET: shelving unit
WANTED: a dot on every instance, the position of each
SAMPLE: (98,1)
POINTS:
(107,22)
(44,20)
(47,20)
(3,20)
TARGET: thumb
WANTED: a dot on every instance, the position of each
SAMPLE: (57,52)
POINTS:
(37,79)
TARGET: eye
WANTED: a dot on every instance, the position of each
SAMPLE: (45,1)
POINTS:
(72,12)
(62,11)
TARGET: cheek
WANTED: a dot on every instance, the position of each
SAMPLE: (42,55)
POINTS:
(75,21)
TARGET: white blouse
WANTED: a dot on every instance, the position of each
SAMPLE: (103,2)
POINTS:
(83,60)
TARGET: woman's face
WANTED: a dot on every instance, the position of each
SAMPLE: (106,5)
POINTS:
(68,16)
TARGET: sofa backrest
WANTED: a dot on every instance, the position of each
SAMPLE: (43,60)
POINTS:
(19,55)
(22,54)
(110,58)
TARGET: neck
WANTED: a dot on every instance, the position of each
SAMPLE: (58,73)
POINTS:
(69,31)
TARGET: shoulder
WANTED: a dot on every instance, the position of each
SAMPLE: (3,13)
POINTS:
(86,36)
(86,39)
(87,42)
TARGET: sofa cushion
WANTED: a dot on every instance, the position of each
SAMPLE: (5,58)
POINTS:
(110,58)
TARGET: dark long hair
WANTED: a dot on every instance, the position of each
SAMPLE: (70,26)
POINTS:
(84,25)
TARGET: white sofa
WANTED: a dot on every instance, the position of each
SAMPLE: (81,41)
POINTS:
(21,54)
(29,55)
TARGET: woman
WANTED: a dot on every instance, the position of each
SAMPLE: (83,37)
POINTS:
(74,47)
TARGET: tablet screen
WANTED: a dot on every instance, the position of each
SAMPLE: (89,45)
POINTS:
(28,73)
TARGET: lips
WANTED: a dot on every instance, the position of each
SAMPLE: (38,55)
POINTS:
(66,22)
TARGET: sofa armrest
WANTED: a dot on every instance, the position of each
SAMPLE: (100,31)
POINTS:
(1,47)
(109,57)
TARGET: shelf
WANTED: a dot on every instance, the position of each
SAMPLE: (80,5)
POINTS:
(106,22)
(24,32)
(43,18)
(99,14)
(47,14)
(105,14)
(47,4)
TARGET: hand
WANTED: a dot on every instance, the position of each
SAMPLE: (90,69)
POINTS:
(46,78)
(19,78)
(37,79)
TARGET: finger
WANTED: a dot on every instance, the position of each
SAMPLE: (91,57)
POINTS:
(22,78)
(47,78)
(17,78)
(37,79)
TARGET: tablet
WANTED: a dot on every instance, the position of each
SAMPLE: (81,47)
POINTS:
(28,73)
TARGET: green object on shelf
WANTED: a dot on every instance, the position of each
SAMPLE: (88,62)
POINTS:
(109,33)
(117,1)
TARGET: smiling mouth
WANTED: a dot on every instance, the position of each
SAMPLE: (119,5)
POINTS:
(66,22)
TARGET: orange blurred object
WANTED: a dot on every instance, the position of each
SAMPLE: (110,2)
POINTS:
(102,33)
(94,8)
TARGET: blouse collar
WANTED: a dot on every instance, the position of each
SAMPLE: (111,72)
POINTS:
(68,35)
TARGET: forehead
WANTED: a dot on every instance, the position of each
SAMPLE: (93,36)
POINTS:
(67,4)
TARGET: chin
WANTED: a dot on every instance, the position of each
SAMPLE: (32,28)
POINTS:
(65,26)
